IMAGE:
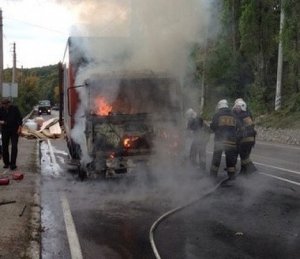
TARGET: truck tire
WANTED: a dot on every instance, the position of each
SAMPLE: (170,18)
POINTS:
(74,149)
(82,173)
(121,170)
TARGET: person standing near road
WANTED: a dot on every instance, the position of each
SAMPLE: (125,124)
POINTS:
(11,126)
(225,125)
(247,136)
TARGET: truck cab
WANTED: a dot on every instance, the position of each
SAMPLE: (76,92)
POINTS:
(115,119)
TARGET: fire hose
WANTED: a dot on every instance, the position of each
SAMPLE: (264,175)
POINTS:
(169,213)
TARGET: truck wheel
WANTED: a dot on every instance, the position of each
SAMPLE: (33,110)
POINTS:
(81,173)
(121,170)
(74,149)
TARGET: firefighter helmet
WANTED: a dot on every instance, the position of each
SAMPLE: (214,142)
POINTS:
(222,104)
(190,113)
(241,104)
(238,100)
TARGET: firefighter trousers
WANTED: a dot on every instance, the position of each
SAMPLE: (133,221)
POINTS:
(231,154)
(244,149)
(198,153)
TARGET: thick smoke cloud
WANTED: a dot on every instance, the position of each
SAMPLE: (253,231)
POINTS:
(159,33)
(148,35)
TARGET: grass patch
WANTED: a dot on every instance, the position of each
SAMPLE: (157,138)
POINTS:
(282,119)
(288,117)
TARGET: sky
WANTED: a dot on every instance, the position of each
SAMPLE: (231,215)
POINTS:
(39,28)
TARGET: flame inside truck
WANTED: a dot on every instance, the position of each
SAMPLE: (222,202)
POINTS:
(126,117)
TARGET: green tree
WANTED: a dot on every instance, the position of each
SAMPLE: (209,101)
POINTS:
(28,94)
(259,27)
(291,46)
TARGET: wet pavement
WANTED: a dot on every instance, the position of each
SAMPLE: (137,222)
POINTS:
(256,218)
(20,220)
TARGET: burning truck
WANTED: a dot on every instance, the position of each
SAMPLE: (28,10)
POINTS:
(117,119)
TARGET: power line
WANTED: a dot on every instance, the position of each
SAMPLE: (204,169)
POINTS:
(35,25)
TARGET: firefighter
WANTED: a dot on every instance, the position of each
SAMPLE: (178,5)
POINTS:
(225,125)
(247,133)
(199,132)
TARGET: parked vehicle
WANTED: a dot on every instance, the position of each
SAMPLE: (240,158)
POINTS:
(127,115)
(44,107)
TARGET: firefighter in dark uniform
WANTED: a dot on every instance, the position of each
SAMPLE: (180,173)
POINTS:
(200,135)
(11,126)
(247,135)
(225,125)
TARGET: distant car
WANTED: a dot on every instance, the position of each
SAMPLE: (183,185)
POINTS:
(44,107)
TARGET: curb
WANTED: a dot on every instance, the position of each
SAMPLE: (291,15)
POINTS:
(34,250)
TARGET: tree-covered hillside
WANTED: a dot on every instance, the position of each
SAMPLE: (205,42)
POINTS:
(35,84)
(242,60)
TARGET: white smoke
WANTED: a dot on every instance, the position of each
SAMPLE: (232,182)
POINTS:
(148,35)
(158,33)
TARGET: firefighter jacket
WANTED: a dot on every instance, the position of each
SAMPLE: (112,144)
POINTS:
(225,126)
(247,132)
(195,124)
(199,128)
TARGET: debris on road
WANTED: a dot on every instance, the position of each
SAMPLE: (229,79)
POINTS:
(40,129)
(17,176)
(4,181)
(22,212)
(6,202)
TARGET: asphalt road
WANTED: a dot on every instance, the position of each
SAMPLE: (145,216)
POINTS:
(257,217)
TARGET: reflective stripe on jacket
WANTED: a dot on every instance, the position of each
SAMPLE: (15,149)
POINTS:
(224,124)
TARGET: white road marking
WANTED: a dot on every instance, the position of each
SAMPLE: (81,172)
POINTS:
(279,168)
(277,145)
(53,159)
(280,178)
(71,230)
(270,166)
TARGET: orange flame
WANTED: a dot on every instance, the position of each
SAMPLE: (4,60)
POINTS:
(128,142)
(102,107)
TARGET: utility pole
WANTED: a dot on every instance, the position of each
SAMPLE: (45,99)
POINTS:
(203,92)
(279,65)
(13,78)
(203,87)
(14,64)
(1,51)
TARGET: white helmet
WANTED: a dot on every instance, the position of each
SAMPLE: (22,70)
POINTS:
(190,113)
(222,104)
(238,100)
(241,104)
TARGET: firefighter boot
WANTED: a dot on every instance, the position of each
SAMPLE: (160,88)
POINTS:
(251,168)
(243,170)
(231,173)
